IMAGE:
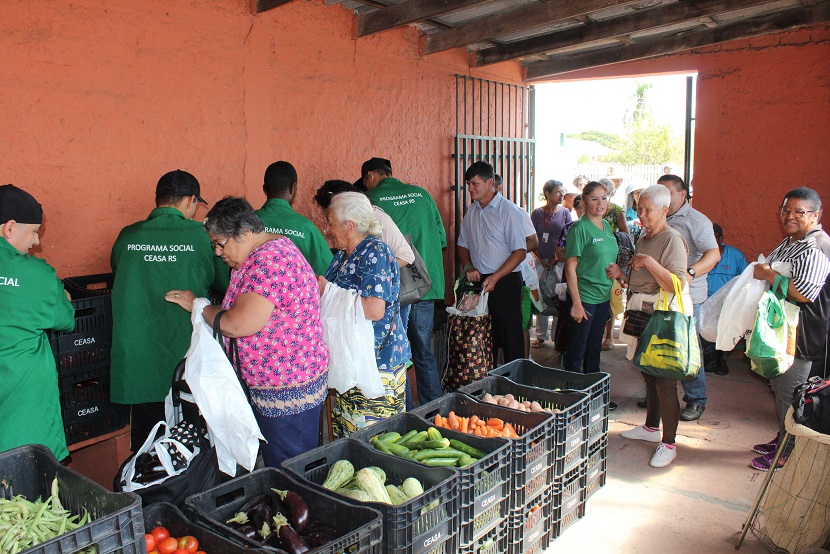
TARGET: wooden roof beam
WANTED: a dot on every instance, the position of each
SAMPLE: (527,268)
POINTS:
(749,28)
(408,12)
(265,5)
(617,28)
(526,17)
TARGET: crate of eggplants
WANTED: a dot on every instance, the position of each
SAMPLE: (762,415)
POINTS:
(307,520)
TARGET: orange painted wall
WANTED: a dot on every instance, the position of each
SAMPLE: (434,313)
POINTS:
(100,98)
(762,127)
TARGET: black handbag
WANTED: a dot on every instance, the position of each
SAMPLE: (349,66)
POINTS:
(415,281)
(811,405)
(635,322)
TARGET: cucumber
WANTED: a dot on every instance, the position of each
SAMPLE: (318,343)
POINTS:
(441,443)
(465,460)
(466,448)
(386,438)
(422,455)
(417,439)
(379,445)
(434,434)
(398,450)
(442,462)
(408,436)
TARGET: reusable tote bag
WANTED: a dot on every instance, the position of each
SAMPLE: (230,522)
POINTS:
(470,343)
(669,346)
(771,345)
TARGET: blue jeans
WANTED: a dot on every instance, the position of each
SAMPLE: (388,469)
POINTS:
(405,319)
(696,388)
(585,345)
(420,340)
(289,435)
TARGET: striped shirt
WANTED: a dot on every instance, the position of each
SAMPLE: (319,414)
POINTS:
(810,259)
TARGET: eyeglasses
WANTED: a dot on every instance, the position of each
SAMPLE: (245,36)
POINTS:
(220,246)
(799,214)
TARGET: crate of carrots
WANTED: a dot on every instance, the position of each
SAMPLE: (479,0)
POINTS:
(529,432)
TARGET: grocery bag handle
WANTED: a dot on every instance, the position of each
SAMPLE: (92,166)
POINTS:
(664,302)
(783,283)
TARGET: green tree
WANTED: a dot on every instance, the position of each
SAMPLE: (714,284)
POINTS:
(638,108)
(611,140)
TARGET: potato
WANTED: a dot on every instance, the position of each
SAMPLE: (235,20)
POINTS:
(513,405)
(526,404)
(509,396)
(487,398)
(503,402)
(535,407)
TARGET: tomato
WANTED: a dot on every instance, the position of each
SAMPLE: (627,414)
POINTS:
(201,552)
(189,543)
(150,542)
(181,551)
(160,533)
(168,546)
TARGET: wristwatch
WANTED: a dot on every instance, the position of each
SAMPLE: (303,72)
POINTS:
(691,271)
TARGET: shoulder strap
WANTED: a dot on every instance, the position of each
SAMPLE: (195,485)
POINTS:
(231,349)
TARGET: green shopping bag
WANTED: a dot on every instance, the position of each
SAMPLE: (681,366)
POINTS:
(669,347)
(771,344)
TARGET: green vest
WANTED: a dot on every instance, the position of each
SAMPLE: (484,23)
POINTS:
(32,300)
(414,212)
(150,336)
(279,217)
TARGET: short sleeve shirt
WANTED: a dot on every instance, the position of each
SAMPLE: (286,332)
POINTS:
(696,229)
(549,228)
(731,264)
(492,233)
(280,218)
(286,362)
(669,249)
(372,270)
(392,236)
(594,249)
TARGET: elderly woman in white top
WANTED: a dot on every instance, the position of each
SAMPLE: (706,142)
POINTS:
(660,253)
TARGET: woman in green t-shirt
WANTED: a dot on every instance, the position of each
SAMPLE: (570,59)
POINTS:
(591,247)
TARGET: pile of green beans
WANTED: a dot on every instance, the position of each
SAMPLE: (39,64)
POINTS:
(24,524)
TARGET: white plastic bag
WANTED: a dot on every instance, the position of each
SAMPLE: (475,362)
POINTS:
(350,338)
(159,447)
(737,317)
(220,398)
(473,305)
(710,311)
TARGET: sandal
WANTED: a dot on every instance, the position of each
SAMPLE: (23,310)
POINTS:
(536,343)
(608,345)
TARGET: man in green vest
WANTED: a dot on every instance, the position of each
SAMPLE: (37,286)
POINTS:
(32,299)
(280,186)
(414,211)
(150,336)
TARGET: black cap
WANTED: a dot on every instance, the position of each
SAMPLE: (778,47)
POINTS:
(18,205)
(359,185)
(179,183)
(375,163)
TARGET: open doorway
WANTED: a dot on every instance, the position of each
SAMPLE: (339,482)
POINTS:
(636,128)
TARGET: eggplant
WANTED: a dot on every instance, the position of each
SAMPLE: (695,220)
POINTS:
(291,540)
(260,514)
(298,512)
(238,520)
(255,502)
(249,531)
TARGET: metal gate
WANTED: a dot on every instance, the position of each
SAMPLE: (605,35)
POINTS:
(494,123)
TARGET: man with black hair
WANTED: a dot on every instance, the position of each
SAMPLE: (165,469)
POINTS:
(150,336)
(414,212)
(704,254)
(33,300)
(493,240)
(807,252)
(280,187)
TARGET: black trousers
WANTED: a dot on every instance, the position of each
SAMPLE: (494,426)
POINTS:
(505,305)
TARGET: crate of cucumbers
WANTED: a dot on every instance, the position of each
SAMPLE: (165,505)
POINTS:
(419,503)
(483,465)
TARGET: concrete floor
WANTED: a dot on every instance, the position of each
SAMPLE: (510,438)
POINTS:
(697,504)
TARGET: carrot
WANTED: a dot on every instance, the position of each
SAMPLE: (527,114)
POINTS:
(463,425)
(491,432)
(495,423)
(510,430)
(477,431)
(474,420)
(453,420)
(438,420)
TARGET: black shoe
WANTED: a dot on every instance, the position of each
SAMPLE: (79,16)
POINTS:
(692,412)
(612,406)
(642,403)
(722,370)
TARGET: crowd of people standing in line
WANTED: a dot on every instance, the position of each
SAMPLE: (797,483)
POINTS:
(272,265)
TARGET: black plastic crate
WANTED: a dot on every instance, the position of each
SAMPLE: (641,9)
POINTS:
(528,372)
(171,518)
(88,345)
(568,500)
(596,467)
(106,418)
(361,527)
(597,425)
(414,526)
(85,399)
(568,428)
(494,541)
(529,526)
(117,522)
(531,451)
(562,523)
(484,486)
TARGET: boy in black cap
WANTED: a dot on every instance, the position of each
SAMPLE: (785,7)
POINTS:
(31,299)
(149,335)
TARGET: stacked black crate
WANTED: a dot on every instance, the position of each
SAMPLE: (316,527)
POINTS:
(82,357)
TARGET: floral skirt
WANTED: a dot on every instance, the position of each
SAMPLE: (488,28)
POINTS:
(352,411)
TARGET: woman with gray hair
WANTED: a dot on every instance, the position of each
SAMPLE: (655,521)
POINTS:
(367,264)
(660,253)
(272,308)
